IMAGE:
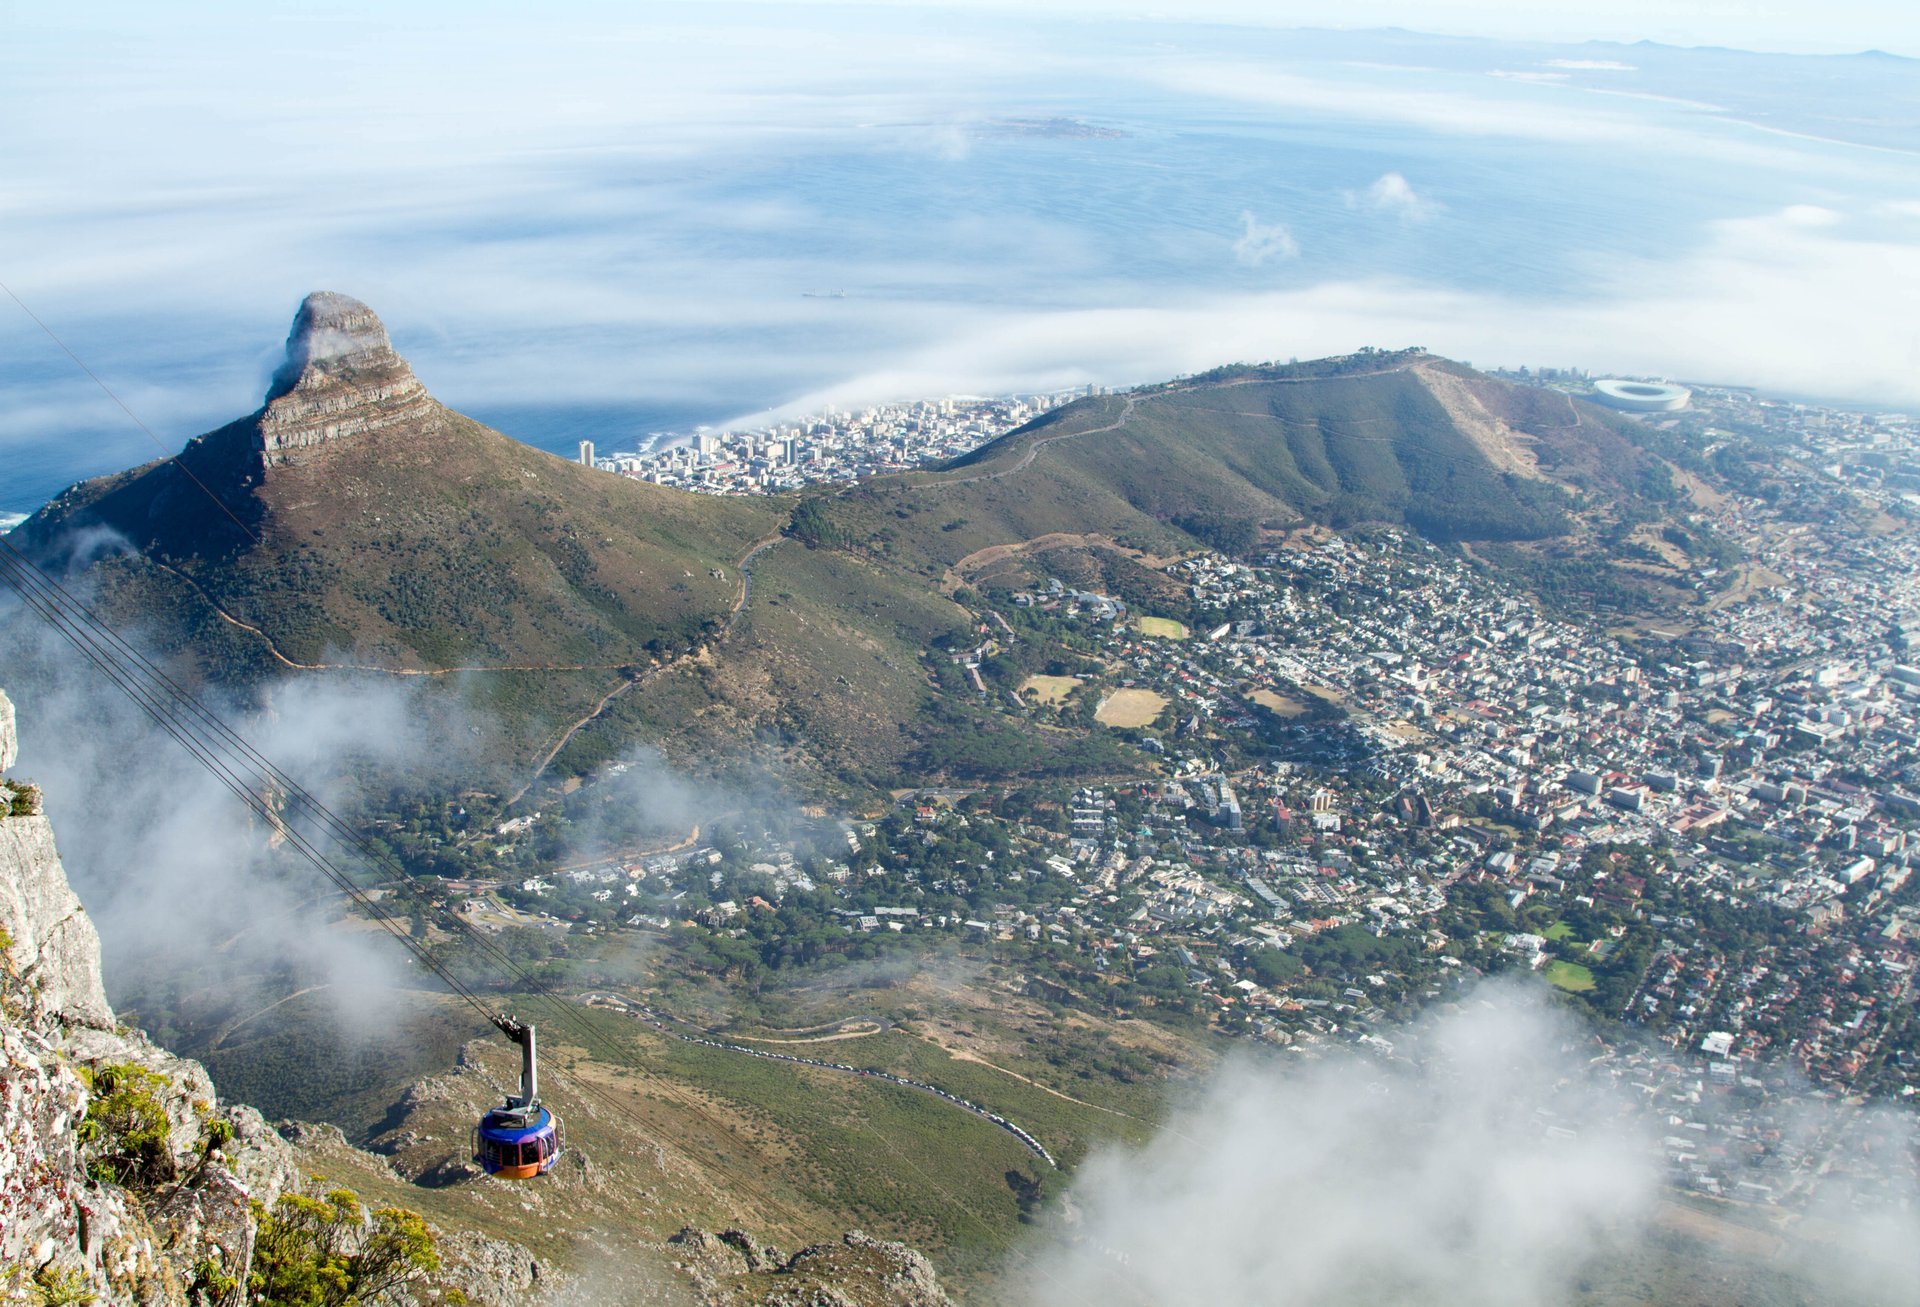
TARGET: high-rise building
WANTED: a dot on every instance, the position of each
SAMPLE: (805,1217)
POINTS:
(586,453)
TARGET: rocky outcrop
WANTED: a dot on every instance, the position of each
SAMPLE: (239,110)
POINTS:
(732,1269)
(54,952)
(341,380)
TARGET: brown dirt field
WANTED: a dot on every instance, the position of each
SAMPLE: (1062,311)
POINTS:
(1753,579)
(1130,708)
(1710,1229)
(1697,490)
(1279,703)
(1650,537)
(963,571)
(1050,689)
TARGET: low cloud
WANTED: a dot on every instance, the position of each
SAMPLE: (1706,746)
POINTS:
(1526,109)
(1488,1154)
(1741,309)
(640,801)
(1529,75)
(1476,1167)
(646,213)
(200,910)
(1262,243)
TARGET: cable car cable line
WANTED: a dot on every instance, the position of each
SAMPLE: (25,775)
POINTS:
(162,708)
(185,709)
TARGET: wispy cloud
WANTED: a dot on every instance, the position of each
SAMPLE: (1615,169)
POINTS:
(1394,194)
(1746,308)
(1353,1180)
(1263,242)
(183,880)
(635,211)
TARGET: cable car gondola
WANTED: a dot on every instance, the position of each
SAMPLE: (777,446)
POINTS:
(521,1139)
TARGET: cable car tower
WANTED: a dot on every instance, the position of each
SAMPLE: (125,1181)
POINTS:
(521,1139)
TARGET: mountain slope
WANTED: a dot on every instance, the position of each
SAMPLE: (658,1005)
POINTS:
(353,512)
(123,1179)
(1404,439)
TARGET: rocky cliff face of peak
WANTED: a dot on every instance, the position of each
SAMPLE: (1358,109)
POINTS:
(53,953)
(341,379)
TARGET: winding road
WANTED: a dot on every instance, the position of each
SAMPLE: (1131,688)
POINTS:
(1032,451)
(664,1023)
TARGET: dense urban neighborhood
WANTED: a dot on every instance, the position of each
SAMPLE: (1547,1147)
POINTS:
(1371,769)
(834,445)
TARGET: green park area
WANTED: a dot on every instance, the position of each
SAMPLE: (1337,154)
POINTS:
(1570,976)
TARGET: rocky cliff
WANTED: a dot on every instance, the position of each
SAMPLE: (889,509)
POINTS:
(341,379)
(731,1269)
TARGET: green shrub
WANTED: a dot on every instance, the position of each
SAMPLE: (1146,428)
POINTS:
(218,1134)
(126,1129)
(57,1287)
(211,1282)
(325,1252)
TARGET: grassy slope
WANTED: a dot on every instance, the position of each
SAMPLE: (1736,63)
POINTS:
(1342,449)
(449,546)
(669,1133)
(822,671)
(675,1133)
(452,546)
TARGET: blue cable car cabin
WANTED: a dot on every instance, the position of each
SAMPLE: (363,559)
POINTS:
(521,1139)
(517,1144)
